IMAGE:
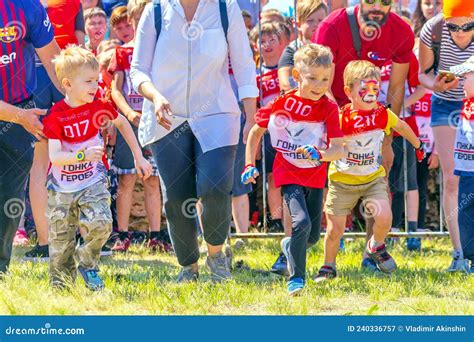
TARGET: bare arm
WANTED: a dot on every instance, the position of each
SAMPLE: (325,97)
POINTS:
(81,37)
(255,135)
(59,157)
(46,55)
(250,106)
(405,131)
(430,80)
(396,87)
(284,74)
(335,150)
(419,92)
(120,101)
(28,118)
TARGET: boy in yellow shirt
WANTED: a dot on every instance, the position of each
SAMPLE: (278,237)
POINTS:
(360,174)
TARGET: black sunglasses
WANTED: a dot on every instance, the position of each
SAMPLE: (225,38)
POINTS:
(456,28)
(382,2)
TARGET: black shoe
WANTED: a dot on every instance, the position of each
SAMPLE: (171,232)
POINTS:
(138,238)
(38,253)
(105,251)
(325,273)
(275,226)
(280,266)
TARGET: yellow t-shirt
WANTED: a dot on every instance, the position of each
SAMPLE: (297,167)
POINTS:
(363,138)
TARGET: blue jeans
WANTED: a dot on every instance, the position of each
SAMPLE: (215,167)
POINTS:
(188,175)
(466,215)
(445,113)
(16,158)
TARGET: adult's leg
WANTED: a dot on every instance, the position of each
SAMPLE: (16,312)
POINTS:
(174,156)
(215,173)
(38,191)
(16,156)
(444,139)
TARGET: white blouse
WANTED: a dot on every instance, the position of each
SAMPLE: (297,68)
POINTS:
(189,66)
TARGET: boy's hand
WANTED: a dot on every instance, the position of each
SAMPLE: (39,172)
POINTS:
(134,117)
(94,154)
(420,152)
(143,168)
(250,174)
(310,152)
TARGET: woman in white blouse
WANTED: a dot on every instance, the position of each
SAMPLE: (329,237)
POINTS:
(191,117)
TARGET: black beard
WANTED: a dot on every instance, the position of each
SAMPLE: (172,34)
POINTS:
(373,22)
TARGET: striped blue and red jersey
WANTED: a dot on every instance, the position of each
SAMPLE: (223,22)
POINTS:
(24,27)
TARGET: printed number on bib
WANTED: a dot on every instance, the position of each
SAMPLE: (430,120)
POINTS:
(77,129)
(364,121)
(297,107)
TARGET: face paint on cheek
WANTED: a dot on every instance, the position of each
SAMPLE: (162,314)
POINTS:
(369,91)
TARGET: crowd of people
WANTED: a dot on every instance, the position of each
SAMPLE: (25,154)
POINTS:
(343,107)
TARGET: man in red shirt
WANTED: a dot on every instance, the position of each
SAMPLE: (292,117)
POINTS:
(383,36)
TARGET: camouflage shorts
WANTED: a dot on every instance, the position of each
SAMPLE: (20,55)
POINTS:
(88,209)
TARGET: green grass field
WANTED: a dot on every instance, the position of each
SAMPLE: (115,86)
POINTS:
(139,283)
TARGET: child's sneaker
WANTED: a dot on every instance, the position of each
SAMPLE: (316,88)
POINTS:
(414,244)
(105,251)
(285,247)
(38,253)
(137,238)
(155,244)
(295,286)
(166,241)
(123,243)
(91,278)
(457,264)
(280,266)
(369,265)
(382,258)
(325,273)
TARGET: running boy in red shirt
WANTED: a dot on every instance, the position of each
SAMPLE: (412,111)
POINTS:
(77,182)
(304,130)
(360,174)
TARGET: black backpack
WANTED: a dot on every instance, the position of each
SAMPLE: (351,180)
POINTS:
(436,35)
(222,12)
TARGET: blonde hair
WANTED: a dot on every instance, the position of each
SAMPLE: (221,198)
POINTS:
(94,12)
(359,70)
(305,8)
(71,59)
(310,55)
(135,6)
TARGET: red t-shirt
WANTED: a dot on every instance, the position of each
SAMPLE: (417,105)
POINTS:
(62,14)
(269,84)
(121,61)
(77,128)
(292,122)
(393,41)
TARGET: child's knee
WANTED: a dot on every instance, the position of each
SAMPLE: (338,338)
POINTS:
(127,181)
(302,226)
